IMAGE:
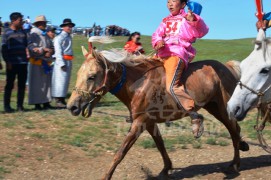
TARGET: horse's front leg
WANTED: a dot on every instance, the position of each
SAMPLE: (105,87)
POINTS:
(156,135)
(136,129)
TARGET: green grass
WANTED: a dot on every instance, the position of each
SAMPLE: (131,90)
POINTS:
(147,143)
(39,135)
(3,171)
(211,141)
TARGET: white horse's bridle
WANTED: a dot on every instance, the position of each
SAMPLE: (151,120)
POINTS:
(260,94)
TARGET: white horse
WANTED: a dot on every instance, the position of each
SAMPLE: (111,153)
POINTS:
(254,86)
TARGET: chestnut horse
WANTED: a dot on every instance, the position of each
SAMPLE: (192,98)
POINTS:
(139,82)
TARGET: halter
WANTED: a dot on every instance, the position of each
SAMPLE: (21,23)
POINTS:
(259,127)
(99,92)
(260,94)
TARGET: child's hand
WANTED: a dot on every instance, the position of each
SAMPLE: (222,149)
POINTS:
(159,45)
(190,16)
(262,24)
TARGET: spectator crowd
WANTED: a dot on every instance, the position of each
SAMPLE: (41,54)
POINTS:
(110,30)
(33,51)
(42,59)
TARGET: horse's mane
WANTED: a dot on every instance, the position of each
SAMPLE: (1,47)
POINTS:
(118,55)
(235,66)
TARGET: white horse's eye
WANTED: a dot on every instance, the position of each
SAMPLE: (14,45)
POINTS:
(265,71)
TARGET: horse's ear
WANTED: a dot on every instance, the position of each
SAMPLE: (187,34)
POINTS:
(261,35)
(95,54)
(84,51)
(90,47)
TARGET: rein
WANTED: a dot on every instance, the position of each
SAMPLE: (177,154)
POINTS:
(258,93)
(259,127)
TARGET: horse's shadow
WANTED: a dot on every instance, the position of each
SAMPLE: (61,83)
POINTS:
(206,169)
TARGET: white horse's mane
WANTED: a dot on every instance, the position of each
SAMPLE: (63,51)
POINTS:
(117,55)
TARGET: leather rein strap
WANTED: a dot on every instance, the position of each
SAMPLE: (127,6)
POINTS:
(259,127)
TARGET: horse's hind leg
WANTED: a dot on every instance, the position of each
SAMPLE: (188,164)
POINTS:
(155,133)
(136,129)
(233,128)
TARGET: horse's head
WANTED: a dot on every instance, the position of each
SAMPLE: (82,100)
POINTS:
(254,85)
(90,84)
(101,72)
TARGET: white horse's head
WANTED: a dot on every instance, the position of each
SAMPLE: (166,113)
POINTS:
(255,80)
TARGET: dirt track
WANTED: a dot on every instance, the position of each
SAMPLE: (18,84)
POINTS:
(69,162)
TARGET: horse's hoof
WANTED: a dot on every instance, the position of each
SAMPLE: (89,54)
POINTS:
(163,175)
(243,146)
(233,169)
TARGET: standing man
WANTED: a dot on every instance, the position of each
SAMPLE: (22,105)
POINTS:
(14,44)
(63,64)
(51,32)
(1,25)
(27,27)
(40,71)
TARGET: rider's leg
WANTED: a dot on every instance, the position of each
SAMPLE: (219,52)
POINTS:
(174,67)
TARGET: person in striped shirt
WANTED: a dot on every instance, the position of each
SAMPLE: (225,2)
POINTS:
(14,44)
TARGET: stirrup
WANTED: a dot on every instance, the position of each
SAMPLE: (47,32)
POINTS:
(197,127)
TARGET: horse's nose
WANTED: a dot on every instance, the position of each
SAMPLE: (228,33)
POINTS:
(74,110)
(237,110)
(238,113)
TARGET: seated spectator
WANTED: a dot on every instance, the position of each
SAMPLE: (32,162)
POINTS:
(133,45)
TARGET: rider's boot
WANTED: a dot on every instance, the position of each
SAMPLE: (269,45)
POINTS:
(197,124)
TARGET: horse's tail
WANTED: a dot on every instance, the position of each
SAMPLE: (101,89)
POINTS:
(235,67)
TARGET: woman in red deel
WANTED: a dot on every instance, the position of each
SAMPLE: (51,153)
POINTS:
(133,45)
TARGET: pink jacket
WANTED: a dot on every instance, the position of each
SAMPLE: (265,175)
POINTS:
(178,35)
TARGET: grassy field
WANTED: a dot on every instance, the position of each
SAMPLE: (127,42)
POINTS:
(105,130)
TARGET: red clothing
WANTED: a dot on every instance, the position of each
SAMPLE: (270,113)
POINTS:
(133,47)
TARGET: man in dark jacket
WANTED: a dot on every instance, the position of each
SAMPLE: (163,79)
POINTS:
(14,44)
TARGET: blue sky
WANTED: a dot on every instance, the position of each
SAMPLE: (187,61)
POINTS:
(226,19)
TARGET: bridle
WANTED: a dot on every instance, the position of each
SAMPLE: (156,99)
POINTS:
(260,94)
(259,127)
(99,92)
